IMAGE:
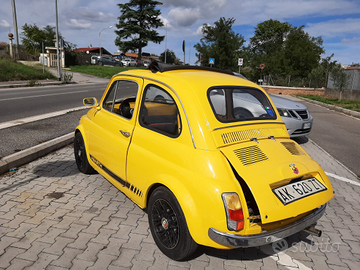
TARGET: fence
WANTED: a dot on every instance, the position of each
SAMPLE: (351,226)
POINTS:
(294,81)
(353,81)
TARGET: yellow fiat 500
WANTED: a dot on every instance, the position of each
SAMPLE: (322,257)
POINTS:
(206,154)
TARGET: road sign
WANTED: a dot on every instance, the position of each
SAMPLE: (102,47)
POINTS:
(240,63)
(211,61)
(262,66)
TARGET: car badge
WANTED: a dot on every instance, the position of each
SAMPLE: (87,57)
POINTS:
(164,223)
(294,168)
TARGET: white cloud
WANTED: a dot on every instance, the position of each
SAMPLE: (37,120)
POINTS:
(198,32)
(352,40)
(186,13)
(85,13)
(4,24)
(74,23)
(334,28)
(253,12)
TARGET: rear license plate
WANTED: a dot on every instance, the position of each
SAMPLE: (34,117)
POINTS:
(295,191)
(307,126)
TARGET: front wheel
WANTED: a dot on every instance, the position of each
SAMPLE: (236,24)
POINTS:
(168,225)
(80,155)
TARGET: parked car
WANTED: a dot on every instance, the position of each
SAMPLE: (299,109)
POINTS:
(129,62)
(206,154)
(146,63)
(139,63)
(295,115)
(104,60)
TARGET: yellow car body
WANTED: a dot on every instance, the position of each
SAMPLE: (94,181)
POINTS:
(215,165)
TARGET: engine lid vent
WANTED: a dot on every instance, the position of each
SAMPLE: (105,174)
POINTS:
(250,155)
(293,148)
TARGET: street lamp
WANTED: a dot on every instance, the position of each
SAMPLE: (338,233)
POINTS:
(100,37)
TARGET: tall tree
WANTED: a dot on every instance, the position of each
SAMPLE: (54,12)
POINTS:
(284,49)
(302,52)
(136,25)
(170,57)
(340,78)
(33,37)
(220,42)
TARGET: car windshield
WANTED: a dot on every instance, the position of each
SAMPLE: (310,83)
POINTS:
(232,104)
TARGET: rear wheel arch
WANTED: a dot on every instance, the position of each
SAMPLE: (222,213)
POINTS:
(168,224)
(189,207)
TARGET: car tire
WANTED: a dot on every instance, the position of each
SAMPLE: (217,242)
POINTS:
(100,63)
(168,225)
(81,156)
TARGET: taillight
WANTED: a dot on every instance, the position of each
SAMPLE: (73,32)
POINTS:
(234,212)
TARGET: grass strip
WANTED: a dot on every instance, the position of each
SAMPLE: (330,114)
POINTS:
(14,71)
(101,71)
(353,105)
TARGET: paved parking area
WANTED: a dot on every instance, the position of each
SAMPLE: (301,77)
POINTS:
(53,217)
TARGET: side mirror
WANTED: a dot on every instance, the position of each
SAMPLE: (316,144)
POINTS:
(90,102)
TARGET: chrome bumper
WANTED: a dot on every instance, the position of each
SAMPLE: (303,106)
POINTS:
(256,240)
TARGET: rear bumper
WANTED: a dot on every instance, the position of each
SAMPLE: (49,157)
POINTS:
(261,239)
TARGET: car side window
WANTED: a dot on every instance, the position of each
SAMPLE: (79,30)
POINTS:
(159,112)
(121,98)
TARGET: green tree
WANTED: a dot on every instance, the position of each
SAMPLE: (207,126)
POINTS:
(136,25)
(302,52)
(284,49)
(340,78)
(170,57)
(220,42)
(33,37)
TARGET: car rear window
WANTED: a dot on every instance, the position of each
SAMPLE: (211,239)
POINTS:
(232,104)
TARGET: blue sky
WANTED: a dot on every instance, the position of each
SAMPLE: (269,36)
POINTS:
(80,21)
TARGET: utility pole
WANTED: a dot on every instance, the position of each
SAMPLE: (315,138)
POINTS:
(57,41)
(16,29)
(165,41)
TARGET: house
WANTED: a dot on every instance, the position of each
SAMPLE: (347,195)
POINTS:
(93,50)
(144,56)
(4,48)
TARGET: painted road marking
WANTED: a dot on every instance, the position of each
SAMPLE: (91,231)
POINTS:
(343,179)
(47,95)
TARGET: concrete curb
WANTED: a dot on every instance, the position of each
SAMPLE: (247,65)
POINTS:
(333,107)
(35,152)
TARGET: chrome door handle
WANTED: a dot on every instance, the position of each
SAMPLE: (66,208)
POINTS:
(126,134)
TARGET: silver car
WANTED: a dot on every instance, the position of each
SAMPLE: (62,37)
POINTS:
(104,61)
(295,115)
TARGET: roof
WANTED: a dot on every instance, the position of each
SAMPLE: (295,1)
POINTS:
(93,50)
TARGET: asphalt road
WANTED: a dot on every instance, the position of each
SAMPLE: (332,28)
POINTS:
(18,103)
(338,134)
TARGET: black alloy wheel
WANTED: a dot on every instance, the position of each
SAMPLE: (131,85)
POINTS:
(80,155)
(168,225)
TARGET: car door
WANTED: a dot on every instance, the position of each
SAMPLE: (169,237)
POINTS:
(113,126)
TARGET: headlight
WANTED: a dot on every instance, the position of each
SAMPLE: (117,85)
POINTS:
(284,112)
(234,212)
